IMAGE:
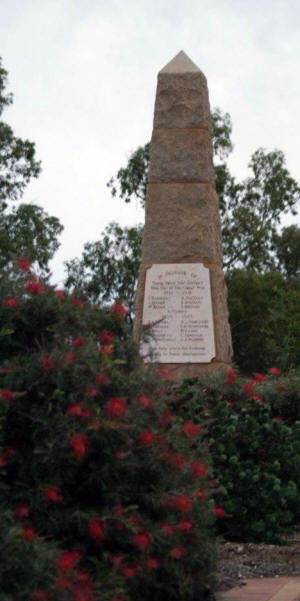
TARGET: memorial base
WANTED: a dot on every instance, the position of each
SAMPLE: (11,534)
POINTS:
(181,371)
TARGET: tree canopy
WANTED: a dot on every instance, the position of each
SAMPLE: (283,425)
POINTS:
(25,230)
(108,267)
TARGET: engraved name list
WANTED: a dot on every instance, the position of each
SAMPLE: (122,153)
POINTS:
(177,306)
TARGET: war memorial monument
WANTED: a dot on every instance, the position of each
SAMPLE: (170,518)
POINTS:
(182,296)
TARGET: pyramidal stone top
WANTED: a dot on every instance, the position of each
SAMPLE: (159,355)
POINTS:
(181,97)
(181,63)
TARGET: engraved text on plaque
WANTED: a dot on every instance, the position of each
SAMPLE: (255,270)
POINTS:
(177,301)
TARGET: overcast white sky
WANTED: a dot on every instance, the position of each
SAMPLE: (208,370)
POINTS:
(83,74)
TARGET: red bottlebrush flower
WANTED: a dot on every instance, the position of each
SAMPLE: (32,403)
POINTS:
(116,408)
(118,310)
(198,469)
(274,371)
(219,511)
(94,424)
(184,525)
(259,377)
(175,460)
(277,418)
(166,418)
(40,595)
(200,495)
(3,462)
(141,541)
(129,571)
(84,592)
(79,444)
(179,461)
(106,338)
(120,455)
(83,577)
(167,529)
(91,391)
(146,437)
(257,398)
(10,452)
(21,512)
(106,350)
(7,395)
(52,495)
(119,510)
(230,403)
(96,529)
(165,374)
(83,595)
(68,358)
(176,552)
(134,519)
(67,560)
(10,302)
(152,563)
(79,341)
(231,376)
(34,286)
(77,302)
(60,294)
(28,533)
(182,503)
(248,388)
(23,264)
(47,363)
(101,379)
(191,429)
(77,410)
(145,402)
(63,583)
(117,561)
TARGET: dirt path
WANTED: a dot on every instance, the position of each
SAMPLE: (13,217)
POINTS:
(240,561)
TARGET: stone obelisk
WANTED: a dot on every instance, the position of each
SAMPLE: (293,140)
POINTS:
(181,296)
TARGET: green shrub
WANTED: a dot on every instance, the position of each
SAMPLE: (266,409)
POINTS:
(264,311)
(104,493)
(255,448)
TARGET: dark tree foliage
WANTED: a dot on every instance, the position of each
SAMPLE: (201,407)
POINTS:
(131,181)
(287,250)
(221,133)
(264,314)
(254,209)
(25,230)
(17,157)
(108,268)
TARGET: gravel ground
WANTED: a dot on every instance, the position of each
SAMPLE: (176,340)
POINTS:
(240,561)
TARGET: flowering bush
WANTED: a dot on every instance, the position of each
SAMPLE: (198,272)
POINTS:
(254,438)
(104,494)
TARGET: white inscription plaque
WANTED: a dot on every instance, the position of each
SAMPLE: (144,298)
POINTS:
(177,302)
